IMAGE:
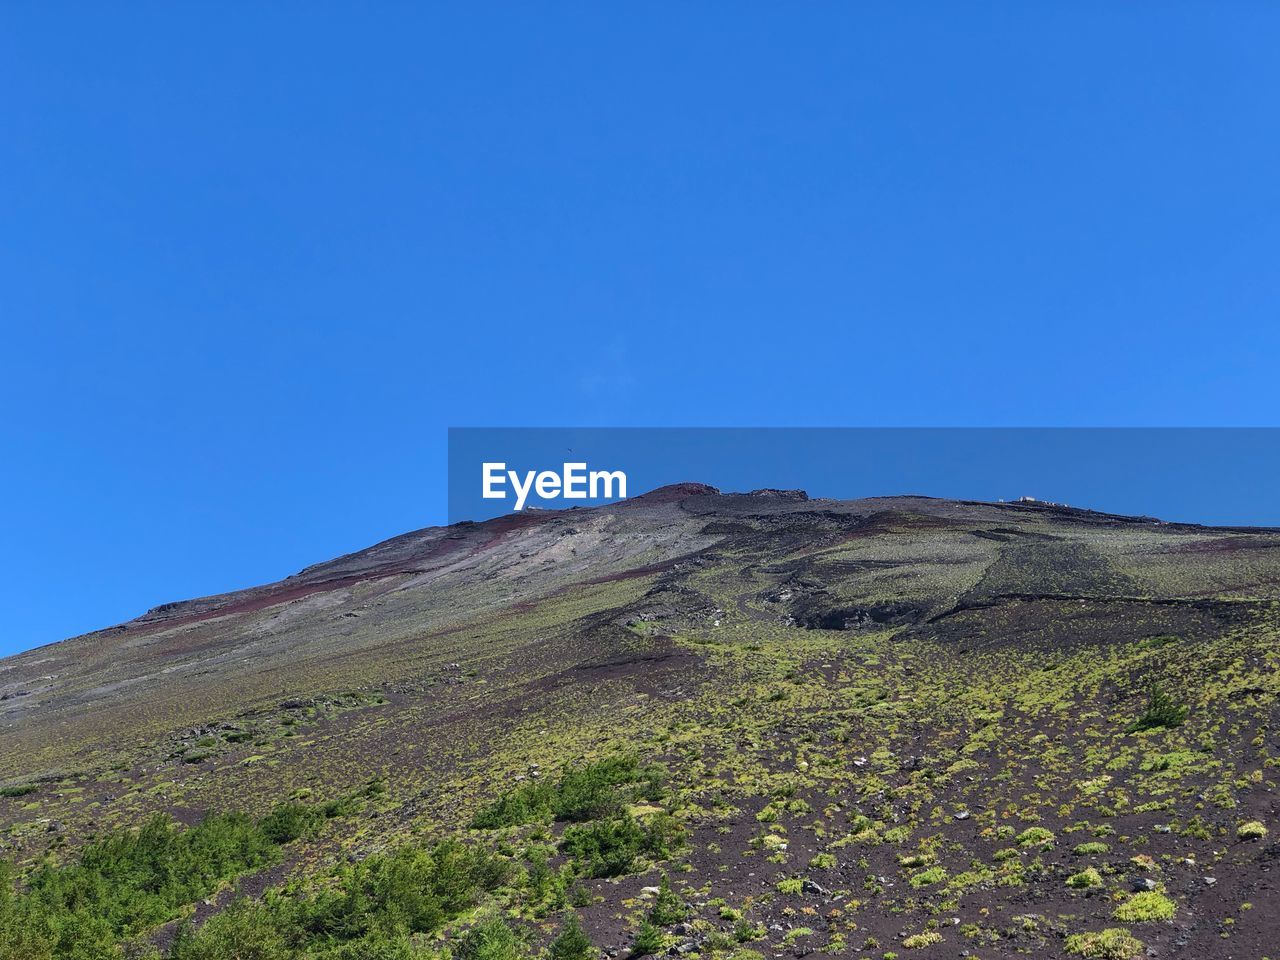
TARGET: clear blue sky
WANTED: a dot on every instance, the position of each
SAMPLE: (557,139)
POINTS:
(254,261)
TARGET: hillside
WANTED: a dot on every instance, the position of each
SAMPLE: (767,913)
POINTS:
(857,728)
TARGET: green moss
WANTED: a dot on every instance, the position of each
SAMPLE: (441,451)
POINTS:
(1253,830)
(1144,907)
(1112,944)
(926,877)
(1085,879)
(1092,848)
(920,940)
(1035,837)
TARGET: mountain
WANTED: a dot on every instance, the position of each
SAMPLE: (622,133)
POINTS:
(841,728)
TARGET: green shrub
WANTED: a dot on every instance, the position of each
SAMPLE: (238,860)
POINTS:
(344,806)
(584,793)
(371,910)
(23,935)
(795,933)
(528,803)
(1161,711)
(572,942)
(126,884)
(588,793)
(419,887)
(609,848)
(289,822)
(244,931)
(667,908)
(491,940)
(649,940)
(543,885)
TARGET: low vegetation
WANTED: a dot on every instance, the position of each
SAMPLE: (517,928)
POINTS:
(127,884)
(1253,830)
(1111,944)
(1161,711)
(1147,906)
(1085,879)
(380,906)
(590,792)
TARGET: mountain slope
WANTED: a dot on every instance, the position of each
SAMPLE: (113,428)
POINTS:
(876,699)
